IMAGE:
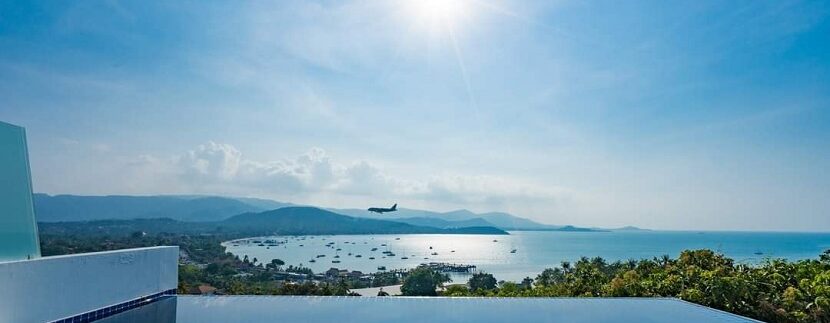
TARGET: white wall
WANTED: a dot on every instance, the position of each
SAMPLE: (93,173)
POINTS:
(52,288)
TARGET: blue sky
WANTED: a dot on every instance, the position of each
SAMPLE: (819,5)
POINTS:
(682,115)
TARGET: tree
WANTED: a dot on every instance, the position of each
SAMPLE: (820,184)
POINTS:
(342,288)
(551,276)
(275,264)
(527,283)
(457,290)
(482,281)
(422,282)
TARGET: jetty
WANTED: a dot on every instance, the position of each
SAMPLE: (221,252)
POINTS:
(449,268)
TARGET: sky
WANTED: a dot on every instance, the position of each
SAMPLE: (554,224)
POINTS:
(684,115)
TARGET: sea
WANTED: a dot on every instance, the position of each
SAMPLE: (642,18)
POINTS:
(521,253)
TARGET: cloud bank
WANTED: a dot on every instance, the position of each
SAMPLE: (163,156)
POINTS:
(220,168)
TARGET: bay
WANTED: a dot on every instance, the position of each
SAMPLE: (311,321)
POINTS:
(535,250)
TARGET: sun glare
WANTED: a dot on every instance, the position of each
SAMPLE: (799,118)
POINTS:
(446,9)
(438,11)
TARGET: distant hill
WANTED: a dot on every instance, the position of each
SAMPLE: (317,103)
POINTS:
(198,208)
(115,207)
(629,228)
(512,222)
(263,203)
(311,220)
(441,223)
(501,220)
(570,228)
(284,221)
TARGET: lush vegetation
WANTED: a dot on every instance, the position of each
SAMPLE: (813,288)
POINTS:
(203,260)
(775,291)
(423,282)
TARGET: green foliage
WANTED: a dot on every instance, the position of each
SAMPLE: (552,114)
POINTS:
(775,290)
(456,290)
(422,282)
(385,279)
(482,281)
(527,283)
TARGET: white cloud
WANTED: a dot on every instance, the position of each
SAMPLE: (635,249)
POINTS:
(217,168)
(212,160)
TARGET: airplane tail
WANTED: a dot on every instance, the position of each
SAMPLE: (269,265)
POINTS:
(395,207)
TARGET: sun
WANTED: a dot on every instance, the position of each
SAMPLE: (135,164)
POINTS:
(443,9)
(434,12)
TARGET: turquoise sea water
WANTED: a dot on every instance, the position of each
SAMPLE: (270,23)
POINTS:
(535,251)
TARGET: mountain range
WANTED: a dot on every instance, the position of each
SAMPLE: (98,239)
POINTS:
(501,220)
(60,208)
(292,220)
(314,221)
(196,208)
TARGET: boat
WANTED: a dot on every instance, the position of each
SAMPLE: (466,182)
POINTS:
(261,245)
(320,256)
(335,261)
(301,245)
(397,238)
(452,251)
(513,251)
(381,267)
(374,249)
(349,254)
(430,247)
(404,257)
(390,254)
(338,249)
(371,258)
(759,253)
(434,254)
(358,256)
(312,260)
(383,245)
(337,256)
(267,247)
(494,240)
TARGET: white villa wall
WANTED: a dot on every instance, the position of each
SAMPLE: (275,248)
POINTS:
(52,288)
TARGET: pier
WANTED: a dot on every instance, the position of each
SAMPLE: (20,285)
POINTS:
(449,268)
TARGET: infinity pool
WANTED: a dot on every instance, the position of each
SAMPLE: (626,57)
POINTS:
(208,309)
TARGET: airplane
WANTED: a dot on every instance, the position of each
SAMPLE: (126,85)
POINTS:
(381,210)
